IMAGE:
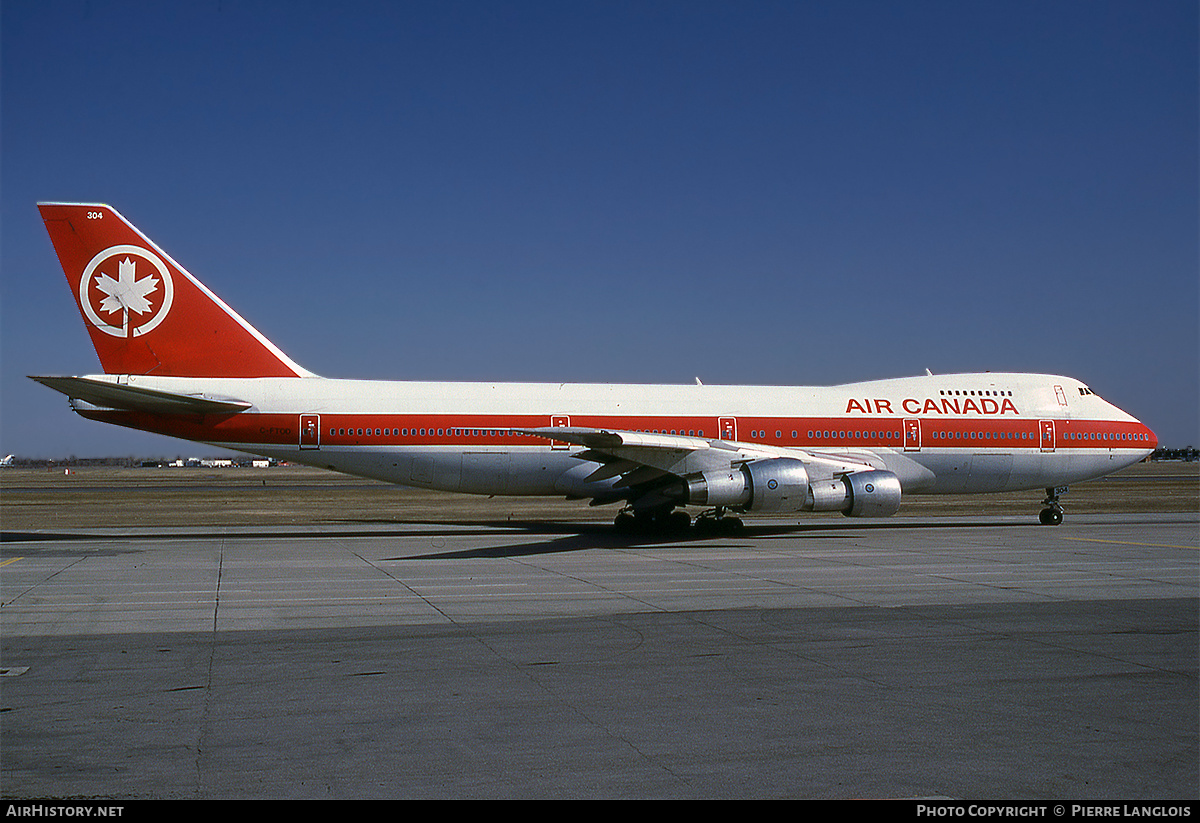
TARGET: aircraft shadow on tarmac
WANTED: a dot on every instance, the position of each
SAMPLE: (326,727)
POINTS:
(569,537)
(558,537)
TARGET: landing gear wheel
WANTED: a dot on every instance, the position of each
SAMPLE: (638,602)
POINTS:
(1051,517)
(718,523)
(625,522)
(662,521)
(678,521)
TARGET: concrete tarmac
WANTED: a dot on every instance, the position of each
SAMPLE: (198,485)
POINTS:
(961,657)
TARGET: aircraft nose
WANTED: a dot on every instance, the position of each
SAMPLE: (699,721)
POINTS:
(1148,436)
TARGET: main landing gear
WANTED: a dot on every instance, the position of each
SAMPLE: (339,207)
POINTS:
(660,521)
(668,520)
(1052,515)
(716,521)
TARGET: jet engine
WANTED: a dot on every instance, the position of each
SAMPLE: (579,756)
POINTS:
(782,485)
(862,494)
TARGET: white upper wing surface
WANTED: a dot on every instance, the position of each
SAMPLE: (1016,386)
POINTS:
(642,456)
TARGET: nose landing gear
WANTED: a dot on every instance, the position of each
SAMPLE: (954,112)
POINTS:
(1052,514)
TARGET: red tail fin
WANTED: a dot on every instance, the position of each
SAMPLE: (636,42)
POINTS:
(145,313)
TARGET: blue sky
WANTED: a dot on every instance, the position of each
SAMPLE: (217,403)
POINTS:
(780,193)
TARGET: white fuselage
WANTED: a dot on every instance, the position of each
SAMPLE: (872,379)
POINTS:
(939,434)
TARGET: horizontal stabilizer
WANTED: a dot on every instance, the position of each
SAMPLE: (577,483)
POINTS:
(105,394)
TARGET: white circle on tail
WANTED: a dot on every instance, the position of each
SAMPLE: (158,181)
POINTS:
(130,286)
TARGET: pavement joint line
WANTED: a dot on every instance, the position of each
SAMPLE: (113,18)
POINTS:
(1131,543)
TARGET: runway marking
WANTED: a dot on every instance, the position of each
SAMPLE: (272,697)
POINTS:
(1129,543)
(11,560)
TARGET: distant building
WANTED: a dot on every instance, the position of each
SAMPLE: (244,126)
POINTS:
(1189,454)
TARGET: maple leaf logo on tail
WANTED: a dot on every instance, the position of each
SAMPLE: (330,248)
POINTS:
(125,294)
(130,298)
(144,312)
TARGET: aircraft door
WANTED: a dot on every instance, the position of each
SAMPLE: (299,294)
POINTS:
(559,421)
(310,431)
(727,428)
(912,435)
(1047,429)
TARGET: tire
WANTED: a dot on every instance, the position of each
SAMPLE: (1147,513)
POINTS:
(1051,517)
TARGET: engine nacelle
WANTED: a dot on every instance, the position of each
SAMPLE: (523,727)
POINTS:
(775,485)
(872,494)
(863,494)
(729,488)
(782,485)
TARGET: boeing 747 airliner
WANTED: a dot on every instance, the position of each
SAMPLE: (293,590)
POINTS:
(178,361)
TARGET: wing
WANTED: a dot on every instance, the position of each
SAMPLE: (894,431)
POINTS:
(645,462)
